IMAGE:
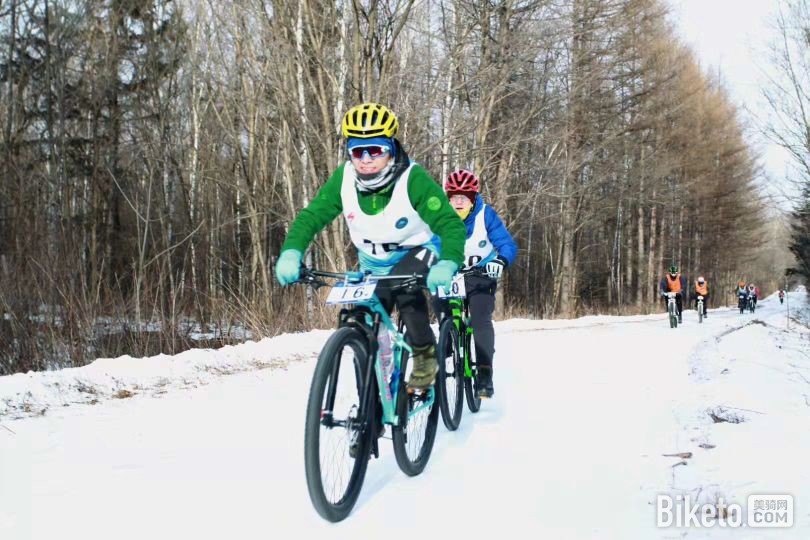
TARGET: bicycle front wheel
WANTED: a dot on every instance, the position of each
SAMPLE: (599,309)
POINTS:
(417,417)
(337,439)
(450,379)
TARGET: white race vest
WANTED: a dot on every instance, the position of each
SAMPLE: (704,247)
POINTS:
(384,236)
(478,248)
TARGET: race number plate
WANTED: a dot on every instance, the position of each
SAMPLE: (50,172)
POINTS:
(351,293)
(457,289)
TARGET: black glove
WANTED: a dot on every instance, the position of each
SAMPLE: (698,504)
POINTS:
(495,267)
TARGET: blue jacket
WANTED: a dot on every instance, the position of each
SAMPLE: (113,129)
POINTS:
(496,230)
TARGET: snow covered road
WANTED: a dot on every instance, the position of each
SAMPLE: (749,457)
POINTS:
(571,447)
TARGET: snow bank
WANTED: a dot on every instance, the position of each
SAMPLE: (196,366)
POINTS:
(33,393)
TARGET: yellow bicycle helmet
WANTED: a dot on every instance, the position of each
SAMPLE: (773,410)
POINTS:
(369,120)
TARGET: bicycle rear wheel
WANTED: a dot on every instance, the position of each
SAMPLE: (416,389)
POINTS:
(337,441)
(415,432)
(450,379)
(473,401)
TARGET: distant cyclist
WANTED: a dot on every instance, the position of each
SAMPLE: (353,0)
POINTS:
(753,293)
(702,289)
(742,295)
(674,282)
(781,296)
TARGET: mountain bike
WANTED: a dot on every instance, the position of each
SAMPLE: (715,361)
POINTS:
(456,351)
(700,308)
(752,305)
(354,392)
(742,302)
(672,309)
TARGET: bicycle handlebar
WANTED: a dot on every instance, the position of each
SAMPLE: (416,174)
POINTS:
(477,271)
(309,276)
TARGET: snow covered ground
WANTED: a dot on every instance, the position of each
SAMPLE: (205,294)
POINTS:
(209,444)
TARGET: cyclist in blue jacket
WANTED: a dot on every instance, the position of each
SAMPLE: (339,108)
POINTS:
(490,246)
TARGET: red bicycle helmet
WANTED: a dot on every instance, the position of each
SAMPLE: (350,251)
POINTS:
(461,181)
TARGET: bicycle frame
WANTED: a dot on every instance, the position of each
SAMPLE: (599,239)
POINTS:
(376,317)
(459,310)
(367,316)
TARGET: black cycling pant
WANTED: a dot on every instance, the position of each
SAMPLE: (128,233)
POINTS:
(412,305)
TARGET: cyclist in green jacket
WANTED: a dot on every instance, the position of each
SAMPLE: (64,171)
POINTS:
(398,218)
